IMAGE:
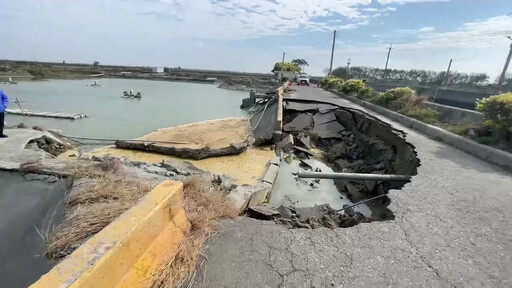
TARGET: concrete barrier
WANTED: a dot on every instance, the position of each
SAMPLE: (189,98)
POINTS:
(489,154)
(455,115)
(126,252)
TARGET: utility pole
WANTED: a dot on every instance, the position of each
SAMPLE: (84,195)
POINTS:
(387,60)
(332,52)
(448,73)
(348,67)
(505,68)
(282,67)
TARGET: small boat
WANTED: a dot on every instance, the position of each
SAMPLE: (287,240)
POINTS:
(95,84)
(131,95)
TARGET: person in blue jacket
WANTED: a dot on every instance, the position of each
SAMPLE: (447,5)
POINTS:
(4,101)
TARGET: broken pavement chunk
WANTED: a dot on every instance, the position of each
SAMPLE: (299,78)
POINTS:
(320,118)
(299,123)
(263,212)
(329,130)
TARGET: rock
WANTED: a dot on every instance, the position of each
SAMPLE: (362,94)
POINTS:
(263,212)
(380,166)
(52,179)
(285,212)
(306,141)
(300,123)
(286,145)
(313,212)
(303,150)
(340,164)
(32,177)
(241,195)
(370,185)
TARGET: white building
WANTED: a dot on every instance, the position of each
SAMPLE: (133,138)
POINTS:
(158,69)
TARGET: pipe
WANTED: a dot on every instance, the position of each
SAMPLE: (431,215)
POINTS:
(355,176)
(361,202)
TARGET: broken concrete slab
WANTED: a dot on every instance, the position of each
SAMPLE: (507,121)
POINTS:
(286,145)
(329,130)
(345,118)
(260,196)
(300,123)
(285,212)
(321,118)
(263,212)
(306,141)
(241,195)
(341,164)
(184,152)
(308,106)
(313,212)
(264,129)
(271,174)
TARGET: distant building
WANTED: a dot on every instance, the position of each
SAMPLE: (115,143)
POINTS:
(158,69)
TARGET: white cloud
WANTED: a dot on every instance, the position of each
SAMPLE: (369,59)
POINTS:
(427,29)
(385,2)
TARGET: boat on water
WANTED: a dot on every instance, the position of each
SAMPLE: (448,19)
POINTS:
(131,95)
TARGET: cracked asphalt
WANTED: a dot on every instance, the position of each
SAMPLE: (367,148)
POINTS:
(452,228)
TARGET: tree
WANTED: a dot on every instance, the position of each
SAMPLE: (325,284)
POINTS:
(288,66)
(95,63)
(301,63)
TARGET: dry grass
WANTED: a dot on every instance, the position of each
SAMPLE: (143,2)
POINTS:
(93,208)
(204,205)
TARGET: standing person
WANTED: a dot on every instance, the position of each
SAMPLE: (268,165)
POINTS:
(4,101)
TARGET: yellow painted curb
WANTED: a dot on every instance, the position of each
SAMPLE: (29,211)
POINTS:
(125,253)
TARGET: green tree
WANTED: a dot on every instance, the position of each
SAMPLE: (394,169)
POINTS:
(288,66)
(301,63)
(95,63)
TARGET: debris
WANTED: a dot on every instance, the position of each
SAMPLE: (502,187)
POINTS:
(286,144)
(306,140)
(285,212)
(32,177)
(304,150)
(300,123)
(263,212)
(320,118)
(305,165)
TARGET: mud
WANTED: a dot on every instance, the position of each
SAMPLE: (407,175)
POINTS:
(349,141)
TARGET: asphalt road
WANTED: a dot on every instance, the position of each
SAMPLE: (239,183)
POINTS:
(27,210)
(453,228)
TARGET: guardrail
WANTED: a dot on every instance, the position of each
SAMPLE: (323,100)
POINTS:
(126,252)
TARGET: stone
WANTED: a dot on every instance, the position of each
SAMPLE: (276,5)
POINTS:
(52,179)
(303,150)
(340,164)
(286,144)
(313,212)
(263,212)
(33,176)
(152,169)
(300,123)
(285,212)
(370,185)
(306,141)
(241,195)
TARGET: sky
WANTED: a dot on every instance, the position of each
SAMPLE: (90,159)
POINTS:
(251,35)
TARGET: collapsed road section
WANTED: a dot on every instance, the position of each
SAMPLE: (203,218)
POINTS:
(324,138)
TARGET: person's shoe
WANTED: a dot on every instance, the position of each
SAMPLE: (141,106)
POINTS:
(3,136)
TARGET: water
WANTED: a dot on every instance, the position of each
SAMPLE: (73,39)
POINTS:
(163,104)
(290,191)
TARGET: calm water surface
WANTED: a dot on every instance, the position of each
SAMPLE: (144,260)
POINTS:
(163,104)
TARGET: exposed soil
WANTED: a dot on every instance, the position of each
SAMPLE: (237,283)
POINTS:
(47,144)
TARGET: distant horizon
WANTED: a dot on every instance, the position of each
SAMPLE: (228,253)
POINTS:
(491,79)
